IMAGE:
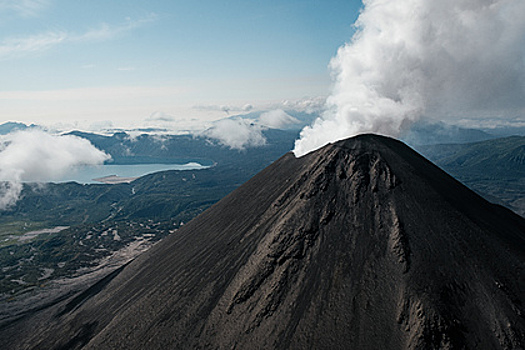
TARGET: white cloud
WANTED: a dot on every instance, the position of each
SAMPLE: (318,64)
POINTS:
(310,105)
(236,133)
(20,46)
(107,31)
(225,108)
(13,47)
(37,156)
(277,119)
(410,58)
(101,125)
(160,116)
(247,107)
(24,8)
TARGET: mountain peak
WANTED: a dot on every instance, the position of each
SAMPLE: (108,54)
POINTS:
(361,244)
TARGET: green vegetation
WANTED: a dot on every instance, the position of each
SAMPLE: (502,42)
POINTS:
(149,208)
(50,256)
(10,232)
(493,168)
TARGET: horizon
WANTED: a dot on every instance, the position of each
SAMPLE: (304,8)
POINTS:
(167,64)
(184,66)
(229,71)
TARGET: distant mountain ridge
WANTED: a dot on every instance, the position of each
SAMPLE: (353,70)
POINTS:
(424,133)
(144,148)
(494,168)
(362,244)
(9,127)
(158,196)
(501,158)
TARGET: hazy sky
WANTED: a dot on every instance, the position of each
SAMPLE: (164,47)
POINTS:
(137,62)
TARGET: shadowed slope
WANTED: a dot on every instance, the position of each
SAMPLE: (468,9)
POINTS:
(363,244)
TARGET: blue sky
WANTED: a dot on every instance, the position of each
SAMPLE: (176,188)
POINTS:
(125,63)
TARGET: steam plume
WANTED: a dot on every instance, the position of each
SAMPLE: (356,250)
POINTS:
(38,156)
(410,58)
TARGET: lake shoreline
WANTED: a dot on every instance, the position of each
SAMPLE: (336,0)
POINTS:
(115,179)
(117,173)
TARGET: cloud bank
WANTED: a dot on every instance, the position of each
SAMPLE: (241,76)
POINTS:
(236,133)
(277,119)
(37,156)
(245,131)
(224,108)
(410,58)
(310,105)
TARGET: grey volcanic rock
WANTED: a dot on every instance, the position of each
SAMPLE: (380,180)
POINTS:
(363,244)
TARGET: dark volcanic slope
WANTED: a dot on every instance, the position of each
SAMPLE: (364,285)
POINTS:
(363,244)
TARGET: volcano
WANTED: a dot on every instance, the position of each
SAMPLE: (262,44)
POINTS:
(363,244)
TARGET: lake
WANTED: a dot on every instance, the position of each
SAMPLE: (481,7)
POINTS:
(87,174)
